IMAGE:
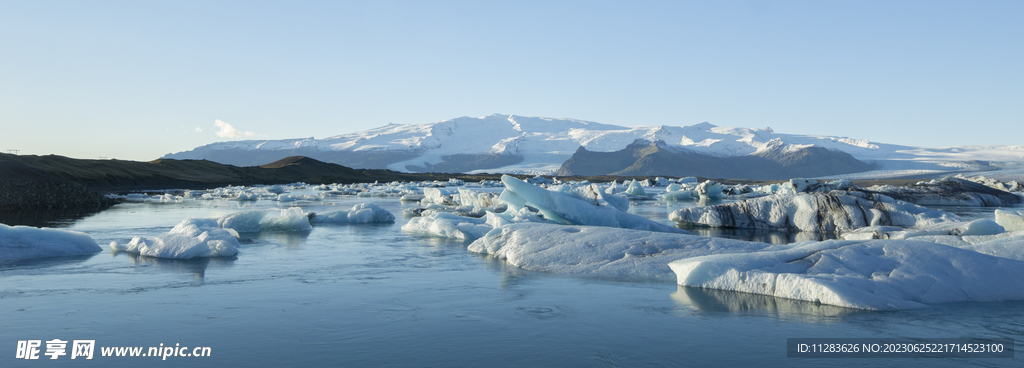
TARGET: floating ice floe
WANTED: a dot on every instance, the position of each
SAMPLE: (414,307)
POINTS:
(821,212)
(191,238)
(710,190)
(23,242)
(214,237)
(951,191)
(359,214)
(565,209)
(600,251)
(451,225)
(289,219)
(873,275)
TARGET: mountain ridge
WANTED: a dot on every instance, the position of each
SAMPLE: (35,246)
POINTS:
(535,145)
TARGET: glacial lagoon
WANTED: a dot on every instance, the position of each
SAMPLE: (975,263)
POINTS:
(373,295)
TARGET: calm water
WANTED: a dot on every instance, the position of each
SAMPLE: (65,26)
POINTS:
(371,295)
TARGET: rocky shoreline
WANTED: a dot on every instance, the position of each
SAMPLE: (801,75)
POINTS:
(47,195)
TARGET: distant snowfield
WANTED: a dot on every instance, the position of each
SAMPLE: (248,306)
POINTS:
(544,143)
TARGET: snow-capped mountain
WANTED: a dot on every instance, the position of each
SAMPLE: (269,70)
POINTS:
(517,144)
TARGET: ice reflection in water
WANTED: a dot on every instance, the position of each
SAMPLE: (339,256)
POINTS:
(712,300)
(758,235)
(195,266)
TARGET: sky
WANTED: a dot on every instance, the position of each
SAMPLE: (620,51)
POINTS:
(136,80)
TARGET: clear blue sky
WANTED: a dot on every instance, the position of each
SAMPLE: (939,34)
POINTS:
(139,79)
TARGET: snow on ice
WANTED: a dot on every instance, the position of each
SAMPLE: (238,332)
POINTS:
(600,251)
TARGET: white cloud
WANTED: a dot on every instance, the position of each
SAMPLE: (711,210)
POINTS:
(199,130)
(228,131)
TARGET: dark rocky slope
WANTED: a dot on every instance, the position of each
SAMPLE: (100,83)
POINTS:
(642,158)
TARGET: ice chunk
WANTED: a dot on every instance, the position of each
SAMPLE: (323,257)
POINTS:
(1010,220)
(443,196)
(564,209)
(710,190)
(873,275)
(590,193)
(811,186)
(451,225)
(951,191)
(245,196)
(539,180)
(821,212)
(448,225)
(274,189)
(291,219)
(22,242)
(635,189)
(189,239)
(600,251)
(678,195)
(477,198)
(359,214)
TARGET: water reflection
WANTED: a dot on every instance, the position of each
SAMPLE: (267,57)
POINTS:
(37,263)
(44,218)
(757,235)
(711,300)
(194,266)
(289,238)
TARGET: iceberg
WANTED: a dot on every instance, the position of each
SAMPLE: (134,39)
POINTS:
(442,196)
(359,214)
(290,219)
(214,237)
(710,190)
(448,225)
(23,242)
(821,212)
(456,226)
(635,189)
(600,251)
(872,275)
(191,238)
(564,209)
(477,198)
(951,191)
